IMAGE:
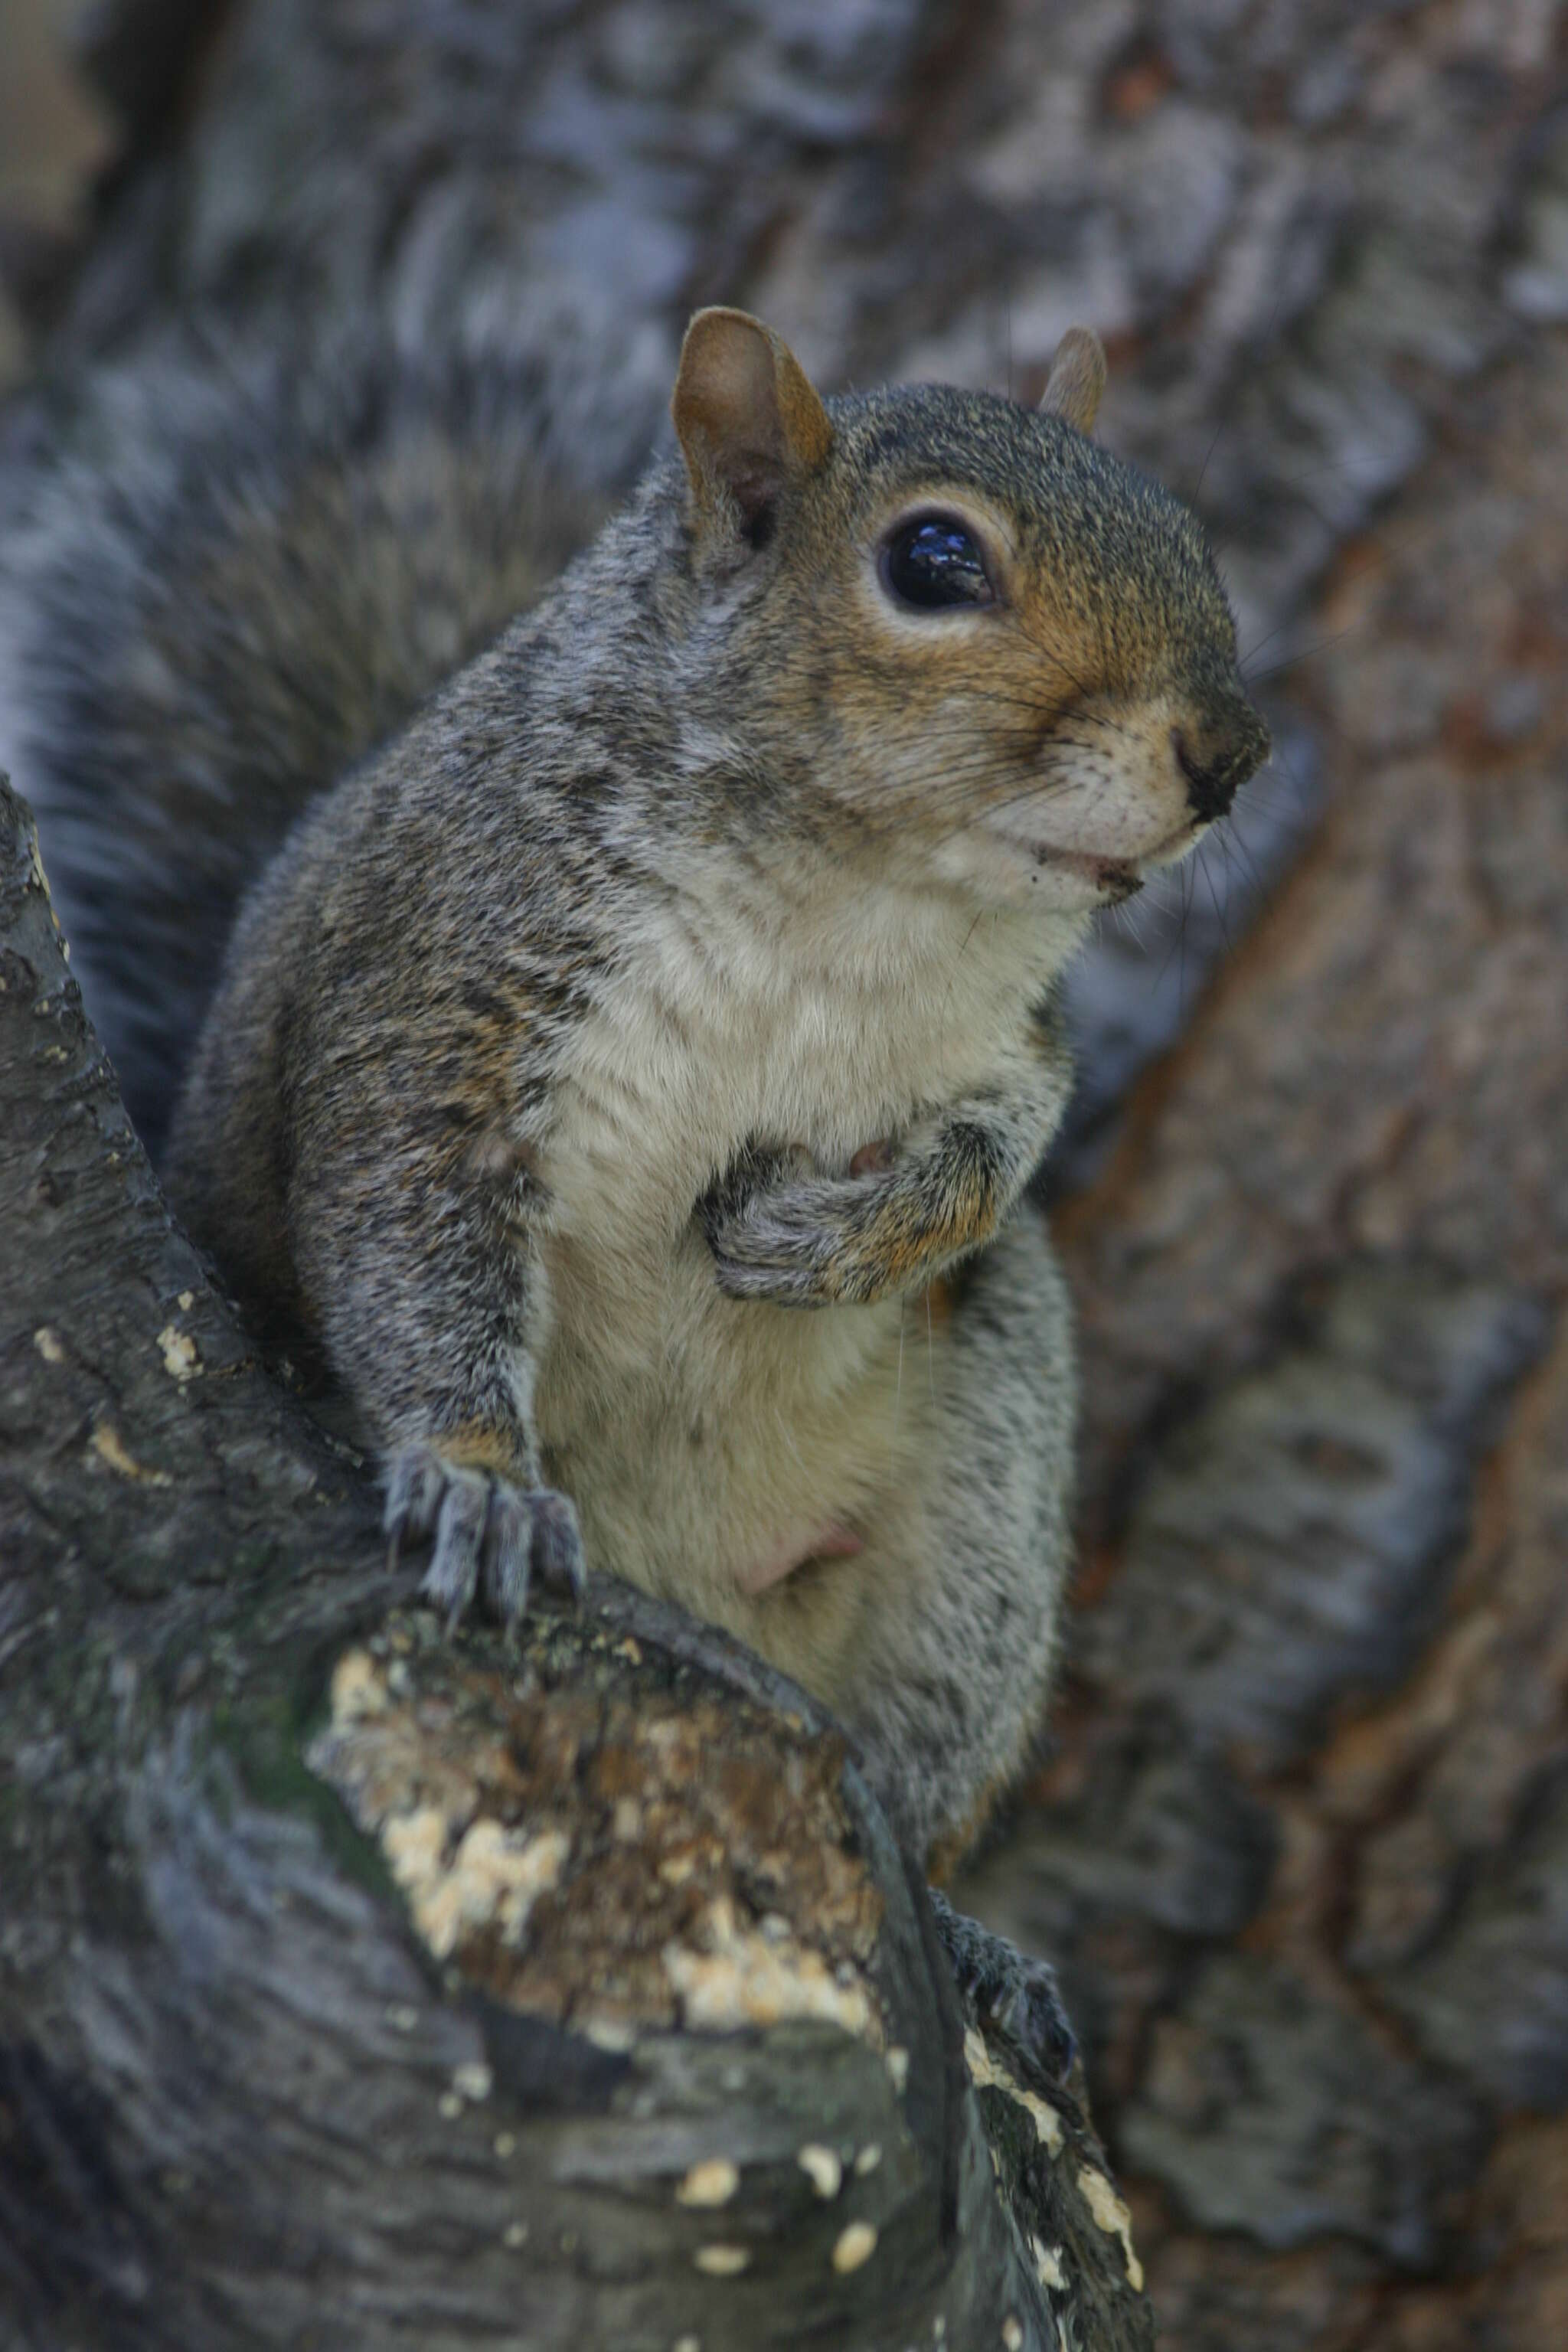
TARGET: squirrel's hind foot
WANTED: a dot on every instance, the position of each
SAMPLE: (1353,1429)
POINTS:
(489,1535)
(1010,1997)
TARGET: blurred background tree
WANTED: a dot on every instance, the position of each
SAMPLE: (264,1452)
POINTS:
(1300,1842)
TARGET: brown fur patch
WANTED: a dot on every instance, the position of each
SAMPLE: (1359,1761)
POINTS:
(939,1303)
(898,1247)
(475,1446)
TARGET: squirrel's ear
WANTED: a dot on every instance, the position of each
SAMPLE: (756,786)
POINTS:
(747,417)
(1076,379)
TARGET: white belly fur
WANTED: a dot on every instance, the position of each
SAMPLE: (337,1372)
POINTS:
(698,1433)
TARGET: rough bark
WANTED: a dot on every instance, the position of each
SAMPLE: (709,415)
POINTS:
(1304,1842)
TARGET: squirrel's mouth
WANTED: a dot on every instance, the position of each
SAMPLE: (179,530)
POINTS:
(1104,881)
(1084,879)
(1111,879)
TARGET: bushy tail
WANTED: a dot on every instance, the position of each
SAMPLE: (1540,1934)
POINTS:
(221,583)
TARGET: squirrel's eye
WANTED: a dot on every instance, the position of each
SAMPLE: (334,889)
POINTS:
(934,562)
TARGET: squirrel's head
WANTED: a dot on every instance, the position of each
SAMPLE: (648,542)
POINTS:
(1002,654)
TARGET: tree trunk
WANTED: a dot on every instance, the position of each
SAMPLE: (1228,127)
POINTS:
(1301,1846)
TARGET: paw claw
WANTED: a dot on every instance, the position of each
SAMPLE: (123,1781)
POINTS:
(414,1490)
(489,1535)
(558,1542)
(453,1574)
(507,1547)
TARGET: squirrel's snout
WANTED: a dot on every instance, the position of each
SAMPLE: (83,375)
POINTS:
(1217,760)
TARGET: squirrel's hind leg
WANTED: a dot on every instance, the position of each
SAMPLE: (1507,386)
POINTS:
(948,1693)
(1008,1995)
(950,1696)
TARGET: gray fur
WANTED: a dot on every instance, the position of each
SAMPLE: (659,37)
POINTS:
(228,579)
(942,1697)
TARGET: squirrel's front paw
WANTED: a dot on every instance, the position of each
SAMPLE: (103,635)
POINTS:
(778,1232)
(779,1245)
(489,1535)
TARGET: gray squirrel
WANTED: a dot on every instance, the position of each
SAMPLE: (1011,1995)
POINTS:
(623,1080)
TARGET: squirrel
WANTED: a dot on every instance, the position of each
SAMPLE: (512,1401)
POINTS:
(626,1080)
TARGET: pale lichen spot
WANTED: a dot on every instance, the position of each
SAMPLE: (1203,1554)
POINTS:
(186,1301)
(1111,2216)
(449,2107)
(723,2261)
(515,2234)
(853,2246)
(821,2167)
(493,1879)
(358,1689)
(112,1451)
(413,1842)
(869,2157)
(739,1979)
(505,2144)
(606,2032)
(180,1359)
(473,2080)
(987,2075)
(712,2182)
(899,2067)
(48,1343)
(1048,2264)
(1011,2333)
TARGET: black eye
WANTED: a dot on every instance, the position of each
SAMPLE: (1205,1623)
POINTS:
(934,562)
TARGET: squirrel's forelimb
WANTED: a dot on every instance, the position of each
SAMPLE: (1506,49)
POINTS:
(922,1206)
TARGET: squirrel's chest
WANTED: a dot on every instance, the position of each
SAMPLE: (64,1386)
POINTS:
(658,1102)
(697,1432)
(662,1093)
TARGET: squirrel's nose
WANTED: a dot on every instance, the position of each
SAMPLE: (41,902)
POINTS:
(1217,761)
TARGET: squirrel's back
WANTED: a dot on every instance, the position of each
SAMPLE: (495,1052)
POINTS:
(229,581)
